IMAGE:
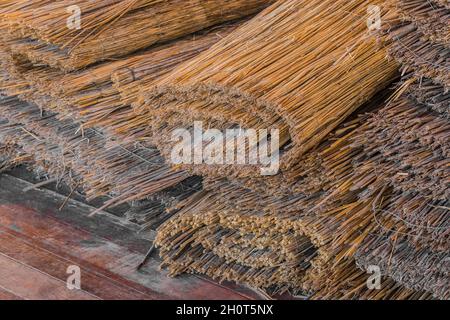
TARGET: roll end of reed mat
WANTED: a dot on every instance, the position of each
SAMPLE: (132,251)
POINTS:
(377,211)
(420,39)
(300,67)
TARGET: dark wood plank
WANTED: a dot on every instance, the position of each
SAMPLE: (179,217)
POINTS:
(40,259)
(103,245)
(33,284)
(8,295)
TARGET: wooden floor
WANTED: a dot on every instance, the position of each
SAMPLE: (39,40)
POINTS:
(38,243)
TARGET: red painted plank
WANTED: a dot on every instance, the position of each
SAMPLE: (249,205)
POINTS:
(30,283)
(100,256)
(81,248)
(35,221)
(40,259)
(8,295)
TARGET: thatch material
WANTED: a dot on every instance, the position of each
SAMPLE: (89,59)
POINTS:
(111,164)
(11,156)
(420,40)
(58,150)
(371,191)
(211,237)
(89,94)
(110,28)
(431,19)
(428,94)
(313,52)
(427,59)
(343,221)
(443,3)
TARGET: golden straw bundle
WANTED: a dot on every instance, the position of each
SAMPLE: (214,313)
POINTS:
(352,193)
(420,40)
(290,69)
(106,163)
(359,216)
(109,28)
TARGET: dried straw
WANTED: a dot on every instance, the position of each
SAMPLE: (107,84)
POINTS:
(373,190)
(398,155)
(312,53)
(110,28)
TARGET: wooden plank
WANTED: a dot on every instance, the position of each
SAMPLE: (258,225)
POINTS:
(30,283)
(102,245)
(8,295)
(56,267)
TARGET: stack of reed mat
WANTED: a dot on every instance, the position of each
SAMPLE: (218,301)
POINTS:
(351,193)
(421,43)
(374,193)
(58,117)
(365,203)
(255,79)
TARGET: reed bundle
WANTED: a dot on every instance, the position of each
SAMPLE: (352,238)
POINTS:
(443,3)
(428,60)
(89,94)
(109,164)
(260,253)
(420,39)
(87,158)
(110,28)
(422,54)
(312,52)
(372,190)
(430,18)
(56,149)
(11,156)
(342,222)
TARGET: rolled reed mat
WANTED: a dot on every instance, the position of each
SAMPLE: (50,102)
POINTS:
(379,193)
(300,66)
(209,237)
(351,283)
(110,28)
(419,269)
(102,167)
(420,40)
(148,213)
(443,3)
(206,237)
(88,95)
(430,18)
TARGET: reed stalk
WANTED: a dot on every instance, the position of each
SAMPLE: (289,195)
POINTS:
(290,68)
(110,28)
